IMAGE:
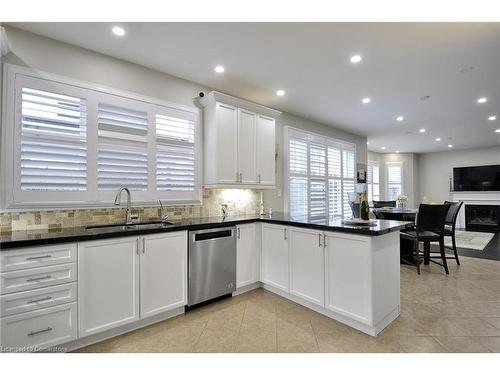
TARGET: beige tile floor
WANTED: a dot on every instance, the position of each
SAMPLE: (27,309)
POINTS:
(439,313)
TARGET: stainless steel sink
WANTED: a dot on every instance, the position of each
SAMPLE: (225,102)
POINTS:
(127,227)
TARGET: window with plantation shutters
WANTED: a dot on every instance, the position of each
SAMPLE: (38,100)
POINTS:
(175,152)
(373,181)
(122,156)
(52,148)
(394,180)
(321,172)
(71,143)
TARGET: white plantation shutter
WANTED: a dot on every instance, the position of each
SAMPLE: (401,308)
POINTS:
(70,143)
(175,151)
(373,182)
(394,180)
(122,157)
(321,172)
(53,154)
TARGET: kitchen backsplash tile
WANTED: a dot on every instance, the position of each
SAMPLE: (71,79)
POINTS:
(239,201)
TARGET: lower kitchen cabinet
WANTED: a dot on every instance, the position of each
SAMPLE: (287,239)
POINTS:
(307,265)
(163,275)
(247,254)
(275,260)
(108,284)
(130,278)
(39,329)
(348,276)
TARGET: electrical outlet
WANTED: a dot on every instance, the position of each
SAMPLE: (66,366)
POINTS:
(279,193)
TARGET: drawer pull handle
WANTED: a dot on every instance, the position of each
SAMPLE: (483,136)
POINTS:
(39,257)
(33,333)
(39,300)
(39,278)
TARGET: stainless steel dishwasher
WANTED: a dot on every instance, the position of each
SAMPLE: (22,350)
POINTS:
(212,264)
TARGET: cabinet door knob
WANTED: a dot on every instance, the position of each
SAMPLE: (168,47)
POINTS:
(319,239)
(239,233)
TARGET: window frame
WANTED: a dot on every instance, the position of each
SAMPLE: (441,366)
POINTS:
(401,184)
(11,198)
(288,132)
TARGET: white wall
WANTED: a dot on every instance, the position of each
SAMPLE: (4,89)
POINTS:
(435,169)
(410,174)
(60,58)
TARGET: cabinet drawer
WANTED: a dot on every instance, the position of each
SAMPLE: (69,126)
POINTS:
(16,303)
(18,281)
(31,257)
(40,329)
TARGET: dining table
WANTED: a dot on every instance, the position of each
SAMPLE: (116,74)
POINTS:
(401,214)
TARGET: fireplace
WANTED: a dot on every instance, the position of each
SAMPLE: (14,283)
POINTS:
(482,218)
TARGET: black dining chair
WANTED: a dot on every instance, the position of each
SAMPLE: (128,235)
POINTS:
(450,223)
(382,204)
(429,228)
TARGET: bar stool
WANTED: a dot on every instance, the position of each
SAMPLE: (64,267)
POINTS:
(429,228)
(450,223)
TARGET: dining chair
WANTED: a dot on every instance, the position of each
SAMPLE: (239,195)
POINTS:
(450,223)
(429,228)
(381,204)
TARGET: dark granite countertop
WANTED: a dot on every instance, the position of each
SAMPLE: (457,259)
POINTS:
(35,238)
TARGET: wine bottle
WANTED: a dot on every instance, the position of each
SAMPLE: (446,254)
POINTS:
(364,210)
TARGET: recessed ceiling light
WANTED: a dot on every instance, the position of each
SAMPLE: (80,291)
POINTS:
(119,31)
(356,59)
(422,130)
(383,147)
(492,118)
(397,151)
(497,131)
(219,69)
(450,146)
(438,139)
(482,100)
(367,143)
(400,118)
(366,100)
(280,92)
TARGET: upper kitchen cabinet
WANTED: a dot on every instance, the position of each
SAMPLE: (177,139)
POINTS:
(239,143)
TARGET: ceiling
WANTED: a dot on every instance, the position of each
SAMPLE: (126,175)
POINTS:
(453,63)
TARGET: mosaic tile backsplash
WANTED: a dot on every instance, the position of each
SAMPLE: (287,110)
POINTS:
(239,201)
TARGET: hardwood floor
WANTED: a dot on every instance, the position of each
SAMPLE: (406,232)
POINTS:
(439,313)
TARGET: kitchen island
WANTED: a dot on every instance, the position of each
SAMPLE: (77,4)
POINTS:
(344,272)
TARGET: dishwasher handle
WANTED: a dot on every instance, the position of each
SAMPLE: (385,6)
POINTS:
(212,234)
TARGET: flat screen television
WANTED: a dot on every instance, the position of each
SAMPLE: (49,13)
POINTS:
(482,178)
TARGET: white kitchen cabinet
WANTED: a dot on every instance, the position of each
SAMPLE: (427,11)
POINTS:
(275,258)
(348,275)
(362,279)
(163,272)
(247,147)
(266,150)
(239,139)
(224,157)
(39,329)
(247,254)
(108,284)
(307,265)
